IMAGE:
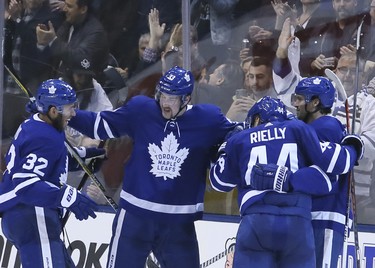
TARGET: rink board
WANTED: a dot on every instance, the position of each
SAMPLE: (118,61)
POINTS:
(89,241)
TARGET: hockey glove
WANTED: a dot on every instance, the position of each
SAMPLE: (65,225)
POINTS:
(79,204)
(238,128)
(98,155)
(270,177)
(31,107)
(357,143)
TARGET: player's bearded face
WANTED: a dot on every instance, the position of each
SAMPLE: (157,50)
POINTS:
(63,117)
(58,123)
(170,105)
(298,101)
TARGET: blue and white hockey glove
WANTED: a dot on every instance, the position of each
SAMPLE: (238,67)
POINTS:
(77,203)
(357,143)
(87,153)
(270,177)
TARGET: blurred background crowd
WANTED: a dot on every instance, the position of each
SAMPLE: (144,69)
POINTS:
(238,51)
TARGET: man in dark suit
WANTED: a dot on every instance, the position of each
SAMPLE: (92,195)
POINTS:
(81,33)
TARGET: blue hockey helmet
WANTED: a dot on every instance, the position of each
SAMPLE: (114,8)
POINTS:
(176,81)
(268,109)
(317,86)
(54,92)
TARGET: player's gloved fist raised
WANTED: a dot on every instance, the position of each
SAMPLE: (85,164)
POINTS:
(357,143)
(79,204)
(270,177)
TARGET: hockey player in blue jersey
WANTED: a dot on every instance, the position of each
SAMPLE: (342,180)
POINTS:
(313,99)
(165,178)
(33,192)
(275,230)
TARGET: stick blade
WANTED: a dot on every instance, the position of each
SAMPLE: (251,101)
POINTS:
(337,84)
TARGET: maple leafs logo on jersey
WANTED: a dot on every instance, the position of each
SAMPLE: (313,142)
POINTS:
(167,160)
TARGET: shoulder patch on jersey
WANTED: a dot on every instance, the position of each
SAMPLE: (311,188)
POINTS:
(167,159)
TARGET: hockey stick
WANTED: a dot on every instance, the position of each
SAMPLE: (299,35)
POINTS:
(341,92)
(83,165)
(352,182)
(80,186)
(19,84)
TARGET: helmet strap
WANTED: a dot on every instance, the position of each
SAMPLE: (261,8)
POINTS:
(183,105)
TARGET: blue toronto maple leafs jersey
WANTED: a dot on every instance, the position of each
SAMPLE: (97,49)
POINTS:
(37,164)
(290,143)
(329,211)
(166,175)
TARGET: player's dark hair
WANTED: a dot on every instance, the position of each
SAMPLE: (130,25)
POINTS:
(322,109)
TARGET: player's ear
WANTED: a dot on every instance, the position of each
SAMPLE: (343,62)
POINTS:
(187,99)
(316,102)
(53,112)
(256,121)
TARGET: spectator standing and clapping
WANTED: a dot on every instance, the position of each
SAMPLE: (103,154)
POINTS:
(340,36)
(160,203)
(23,17)
(80,34)
(33,191)
(307,26)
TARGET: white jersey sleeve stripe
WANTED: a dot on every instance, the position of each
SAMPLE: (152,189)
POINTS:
(26,183)
(326,178)
(225,184)
(24,175)
(7,196)
(106,127)
(334,159)
(347,164)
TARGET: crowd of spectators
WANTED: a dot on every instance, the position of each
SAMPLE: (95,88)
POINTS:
(129,44)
